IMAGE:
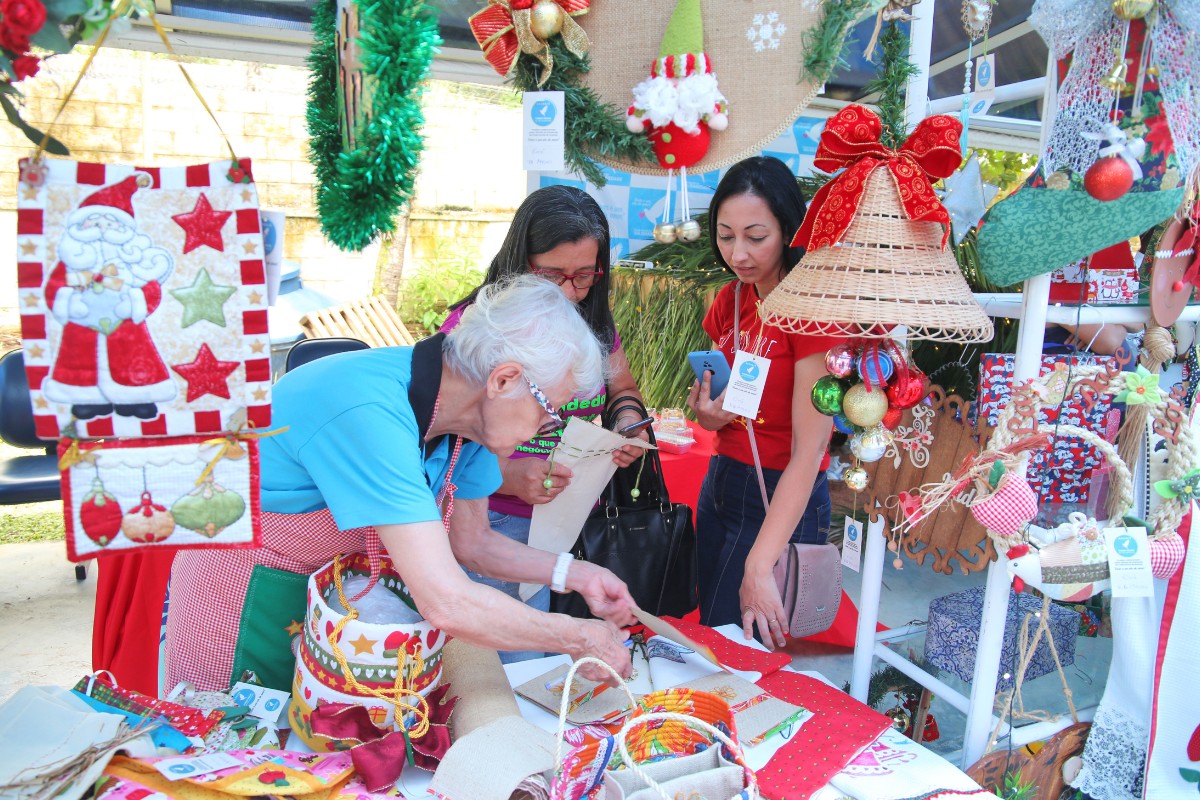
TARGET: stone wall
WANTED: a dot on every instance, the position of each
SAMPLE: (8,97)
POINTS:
(136,107)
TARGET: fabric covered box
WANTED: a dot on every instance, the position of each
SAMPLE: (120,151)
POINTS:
(1061,475)
(953,635)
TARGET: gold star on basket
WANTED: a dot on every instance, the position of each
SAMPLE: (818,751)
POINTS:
(363,645)
(294,628)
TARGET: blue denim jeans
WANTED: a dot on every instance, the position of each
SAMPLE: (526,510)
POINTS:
(517,529)
(728,518)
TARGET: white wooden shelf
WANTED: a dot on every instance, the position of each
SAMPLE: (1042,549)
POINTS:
(1008,305)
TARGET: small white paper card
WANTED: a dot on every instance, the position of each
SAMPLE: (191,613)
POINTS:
(1129,562)
(542,132)
(174,769)
(745,390)
(985,84)
(586,449)
(852,544)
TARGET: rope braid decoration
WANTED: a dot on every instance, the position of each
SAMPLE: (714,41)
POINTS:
(405,673)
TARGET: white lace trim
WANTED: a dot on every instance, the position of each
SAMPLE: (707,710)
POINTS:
(1114,758)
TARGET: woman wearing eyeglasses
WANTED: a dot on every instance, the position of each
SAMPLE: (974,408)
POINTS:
(559,233)
(395,449)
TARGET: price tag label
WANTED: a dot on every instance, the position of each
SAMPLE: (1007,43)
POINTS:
(174,769)
(746,383)
(542,132)
(265,704)
(985,84)
(852,538)
(1129,562)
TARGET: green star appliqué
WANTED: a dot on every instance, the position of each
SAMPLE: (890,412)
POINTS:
(1140,387)
(203,300)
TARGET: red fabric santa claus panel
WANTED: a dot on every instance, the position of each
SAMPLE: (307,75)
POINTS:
(143,301)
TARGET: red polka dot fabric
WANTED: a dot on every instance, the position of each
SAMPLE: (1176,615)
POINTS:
(730,653)
(823,745)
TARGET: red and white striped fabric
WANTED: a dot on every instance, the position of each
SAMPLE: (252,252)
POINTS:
(155,277)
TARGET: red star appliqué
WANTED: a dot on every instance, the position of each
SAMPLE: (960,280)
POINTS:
(202,225)
(206,375)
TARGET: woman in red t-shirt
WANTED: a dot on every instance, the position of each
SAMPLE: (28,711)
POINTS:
(754,212)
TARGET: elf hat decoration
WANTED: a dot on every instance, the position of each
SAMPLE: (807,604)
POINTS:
(680,102)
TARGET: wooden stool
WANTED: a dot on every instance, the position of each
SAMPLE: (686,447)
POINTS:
(370,319)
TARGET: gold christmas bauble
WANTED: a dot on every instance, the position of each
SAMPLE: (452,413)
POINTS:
(901,720)
(546,19)
(856,479)
(865,408)
(1132,9)
(689,230)
(665,233)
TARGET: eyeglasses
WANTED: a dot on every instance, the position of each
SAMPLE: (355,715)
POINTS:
(580,280)
(557,423)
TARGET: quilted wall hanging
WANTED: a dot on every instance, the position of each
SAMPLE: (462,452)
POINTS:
(143,298)
(185,491)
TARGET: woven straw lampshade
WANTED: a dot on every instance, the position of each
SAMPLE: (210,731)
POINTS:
(887,270)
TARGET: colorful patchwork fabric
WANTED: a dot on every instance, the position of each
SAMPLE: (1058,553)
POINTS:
(262,773)
(188,721)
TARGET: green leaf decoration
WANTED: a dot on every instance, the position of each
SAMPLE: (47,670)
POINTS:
(1164,489)
(360,190)
(1130,521)
(1141,387)
(996,474)
(1189,775)
(53,146)
(1187,487)
(51,38)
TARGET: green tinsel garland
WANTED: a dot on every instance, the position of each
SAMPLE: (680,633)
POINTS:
(591,126)
(360,191)
(894,73)
(823,44)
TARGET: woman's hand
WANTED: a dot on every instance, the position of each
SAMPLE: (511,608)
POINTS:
(708,410)
(605,594)
(526,478)
(762,606)
(604,641)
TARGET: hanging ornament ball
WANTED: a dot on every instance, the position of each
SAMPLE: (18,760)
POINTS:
(898,563)
(688,230)
(147,521)
(1132,9)
(827,394)
(892,418)
(901,720)
(1108,179)
(208,509)
(870,445)
(100,515)
(875,367)
(856,479)
(665,233)
(864,407)
(906,389)
(839,361)
(546,19)
(548,484)
(635,493)
(843,425)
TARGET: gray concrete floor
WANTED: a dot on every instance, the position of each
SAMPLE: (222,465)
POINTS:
(45,617)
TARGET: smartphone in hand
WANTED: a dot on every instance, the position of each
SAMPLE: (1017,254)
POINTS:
(629,431)
(710,361)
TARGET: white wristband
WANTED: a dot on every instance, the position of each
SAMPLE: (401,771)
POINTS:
(558,578)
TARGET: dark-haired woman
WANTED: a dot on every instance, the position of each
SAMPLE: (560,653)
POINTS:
(561,234)
(754,213)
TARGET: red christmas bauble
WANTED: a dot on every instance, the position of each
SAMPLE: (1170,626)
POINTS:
(906,389)
(1108,179)
(675,148)
(892,418)
(100,515)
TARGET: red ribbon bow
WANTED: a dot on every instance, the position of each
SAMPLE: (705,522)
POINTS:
(379,755)
(496,29)
(851,140)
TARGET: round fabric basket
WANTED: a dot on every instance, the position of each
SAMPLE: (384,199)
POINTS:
(372,655)
(756,52)
(886,271)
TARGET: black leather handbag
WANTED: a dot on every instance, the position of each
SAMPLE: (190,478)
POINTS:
(645,539)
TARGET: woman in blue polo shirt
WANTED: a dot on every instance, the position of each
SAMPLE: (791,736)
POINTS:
(396,449)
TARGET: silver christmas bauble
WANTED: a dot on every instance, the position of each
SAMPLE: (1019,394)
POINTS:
(870,445)
(856,479)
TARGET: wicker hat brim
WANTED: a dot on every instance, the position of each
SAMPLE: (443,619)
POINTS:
(763,86)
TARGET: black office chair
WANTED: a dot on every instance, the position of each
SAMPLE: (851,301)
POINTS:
(31,478)
(307,350)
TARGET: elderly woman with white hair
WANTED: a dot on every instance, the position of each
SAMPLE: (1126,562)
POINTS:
(397,448)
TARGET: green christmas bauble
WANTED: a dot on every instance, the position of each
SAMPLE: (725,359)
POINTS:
(864,407)
(827,395)
(209,509)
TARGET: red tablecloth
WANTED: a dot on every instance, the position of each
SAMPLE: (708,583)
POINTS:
(684,473)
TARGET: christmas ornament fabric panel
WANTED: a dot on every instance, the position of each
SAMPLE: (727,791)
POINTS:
(143,299)
(188,491)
